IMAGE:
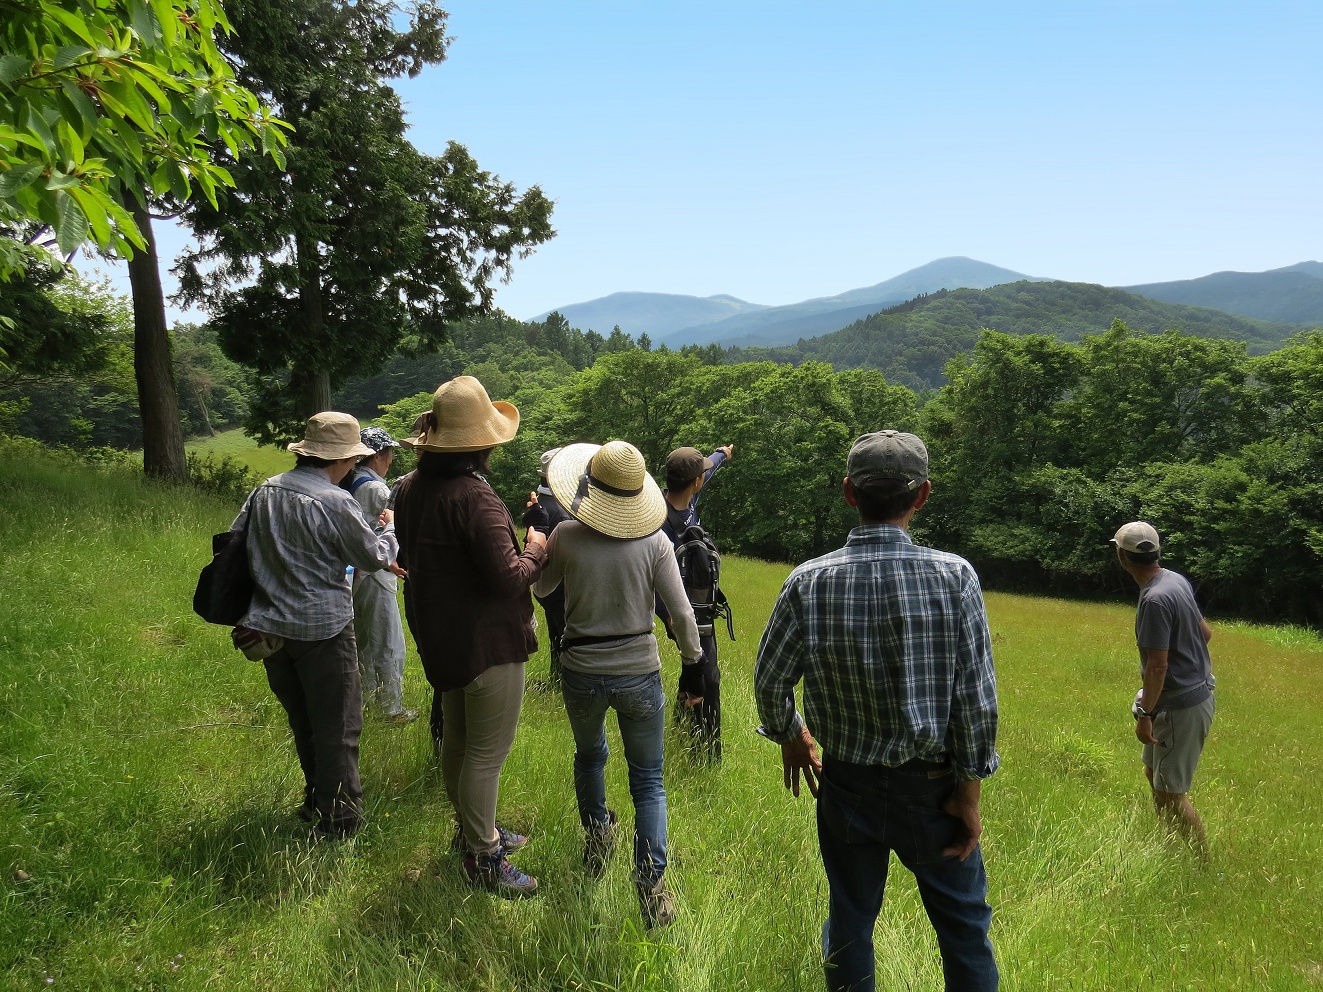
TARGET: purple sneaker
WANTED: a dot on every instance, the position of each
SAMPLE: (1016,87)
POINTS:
(494,873)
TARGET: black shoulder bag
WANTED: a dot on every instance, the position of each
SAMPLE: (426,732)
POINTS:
(225,587)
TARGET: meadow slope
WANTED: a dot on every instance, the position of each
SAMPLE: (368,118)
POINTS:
(147,785)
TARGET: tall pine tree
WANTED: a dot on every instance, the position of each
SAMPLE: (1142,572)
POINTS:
(316,272)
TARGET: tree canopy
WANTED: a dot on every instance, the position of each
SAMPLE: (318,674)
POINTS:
(319,272)
(106,102)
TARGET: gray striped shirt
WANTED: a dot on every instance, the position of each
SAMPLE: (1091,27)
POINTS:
(303,530)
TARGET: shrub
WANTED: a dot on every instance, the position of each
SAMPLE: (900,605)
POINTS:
(227,478)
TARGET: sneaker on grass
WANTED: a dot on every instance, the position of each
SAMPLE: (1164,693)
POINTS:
(494,873)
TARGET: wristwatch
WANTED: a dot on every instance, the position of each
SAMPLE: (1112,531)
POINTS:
(1139,712)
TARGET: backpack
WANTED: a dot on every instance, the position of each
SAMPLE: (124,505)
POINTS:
(700,572)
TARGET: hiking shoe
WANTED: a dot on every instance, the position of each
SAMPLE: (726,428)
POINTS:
(657,904)
(509,840)
(600,845)
(495,874)
(401,718)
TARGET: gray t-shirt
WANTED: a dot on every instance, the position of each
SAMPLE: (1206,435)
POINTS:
(611,587)
(1169,619)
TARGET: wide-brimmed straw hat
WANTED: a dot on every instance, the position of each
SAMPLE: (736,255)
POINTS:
(331,436)
(464,418)
(607,487)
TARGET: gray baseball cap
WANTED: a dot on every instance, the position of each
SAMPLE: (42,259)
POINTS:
(546,460)
(887,460)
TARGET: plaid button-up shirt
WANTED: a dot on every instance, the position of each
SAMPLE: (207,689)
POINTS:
(892,643)
(303,530)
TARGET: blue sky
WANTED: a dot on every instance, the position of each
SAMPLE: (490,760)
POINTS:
(778,151)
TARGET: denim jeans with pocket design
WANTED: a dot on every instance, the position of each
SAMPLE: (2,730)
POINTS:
(640,712)
(864,813)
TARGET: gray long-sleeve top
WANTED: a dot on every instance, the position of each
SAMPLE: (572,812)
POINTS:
(303,530)
(610,588)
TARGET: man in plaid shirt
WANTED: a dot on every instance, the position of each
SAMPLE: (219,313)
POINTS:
(891,641)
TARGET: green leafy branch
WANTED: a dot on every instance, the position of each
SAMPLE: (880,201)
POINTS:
(108,103)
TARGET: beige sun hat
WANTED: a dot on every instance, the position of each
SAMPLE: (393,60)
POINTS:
(331,436)
(608,488)
(464,418)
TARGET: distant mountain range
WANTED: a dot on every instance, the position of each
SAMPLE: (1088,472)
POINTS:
(653,314)
(911,343)
(1293,294)
(676,320)
(1289,296)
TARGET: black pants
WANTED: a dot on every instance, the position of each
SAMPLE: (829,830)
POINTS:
(553,609)
(317,683)
(704,720)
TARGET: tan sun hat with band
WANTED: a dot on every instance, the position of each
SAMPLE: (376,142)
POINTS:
(331,436)
(464,418)
(608,488)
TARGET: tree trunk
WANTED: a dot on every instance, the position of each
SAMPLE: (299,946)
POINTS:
(202,405)
(158,403)
(311,387)
(311,390)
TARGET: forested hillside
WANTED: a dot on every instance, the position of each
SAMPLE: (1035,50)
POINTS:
(1040,447)
(1293,294)
(911,343)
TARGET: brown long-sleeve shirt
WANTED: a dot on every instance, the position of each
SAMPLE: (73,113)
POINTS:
(466,598)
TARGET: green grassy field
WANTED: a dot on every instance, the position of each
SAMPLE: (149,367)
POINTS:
(147,785)
(265,460)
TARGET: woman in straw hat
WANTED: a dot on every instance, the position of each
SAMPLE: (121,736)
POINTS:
(468,606)
(303,529)
(614,561)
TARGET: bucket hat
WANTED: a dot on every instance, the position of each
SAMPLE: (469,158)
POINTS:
(608,488)
(464,418)
(377,439)
(331,436)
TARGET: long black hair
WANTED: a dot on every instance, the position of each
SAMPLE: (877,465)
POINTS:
(450,464)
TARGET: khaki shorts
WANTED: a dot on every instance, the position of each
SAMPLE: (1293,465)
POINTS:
(1181,735)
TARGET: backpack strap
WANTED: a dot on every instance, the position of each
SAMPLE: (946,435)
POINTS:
(722,609)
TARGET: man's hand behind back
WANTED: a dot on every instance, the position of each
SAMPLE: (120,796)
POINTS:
(963,805)
(802,756)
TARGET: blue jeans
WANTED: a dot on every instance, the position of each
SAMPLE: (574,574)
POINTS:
(640,711)
(864,813)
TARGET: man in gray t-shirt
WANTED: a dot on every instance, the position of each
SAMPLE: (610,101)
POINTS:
(1174,709)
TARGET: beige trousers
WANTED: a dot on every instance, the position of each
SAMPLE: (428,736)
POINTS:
(480,722)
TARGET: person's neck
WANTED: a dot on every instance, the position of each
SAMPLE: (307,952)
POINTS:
(1145,575)
(902,522)
(679,501)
